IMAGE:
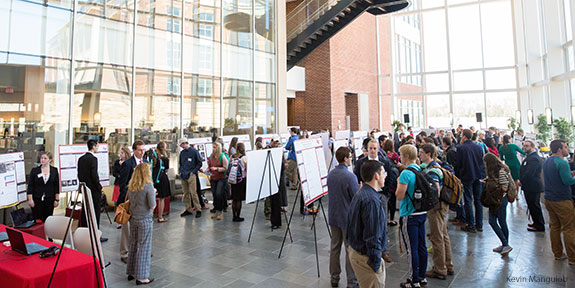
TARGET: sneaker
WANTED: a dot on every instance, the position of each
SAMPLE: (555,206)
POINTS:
(498,249)
(562,257)
(409,284)
(506,250)
(469,229)
(423,282)
(198,214)
(386,257)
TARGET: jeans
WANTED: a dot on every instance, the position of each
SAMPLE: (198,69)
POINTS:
(413,234)
(472,192)
(218,190)
(500,216)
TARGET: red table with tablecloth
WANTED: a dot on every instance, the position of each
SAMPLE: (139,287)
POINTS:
(75,269)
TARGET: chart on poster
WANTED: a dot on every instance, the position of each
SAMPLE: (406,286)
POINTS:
(69,155)
(312,169)
(12,179)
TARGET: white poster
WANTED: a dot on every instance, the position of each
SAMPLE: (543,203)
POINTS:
(204,147)
(12,179)
(68,157)
(241,139)
(312,169)
(342,134)
(336,145)
(256,162)
(327,153)
(357,142)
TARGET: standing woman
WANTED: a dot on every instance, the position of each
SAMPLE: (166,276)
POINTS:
(490,142)
(239,189)
(43,188)
(498,171)
(142,203)
(233,146)
(217,165)
(508,153)
(160,161)
(117,173)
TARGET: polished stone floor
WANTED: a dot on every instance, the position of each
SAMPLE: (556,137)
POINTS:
(202,252)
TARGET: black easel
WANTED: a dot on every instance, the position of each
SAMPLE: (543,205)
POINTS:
(92,229)
(298,192)
(269,163)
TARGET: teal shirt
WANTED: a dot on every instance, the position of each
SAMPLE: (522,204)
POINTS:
(558,179)
(407,177)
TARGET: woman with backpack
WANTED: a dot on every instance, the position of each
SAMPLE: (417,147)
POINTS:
(508,153)
(160,161)
(217,167)
(238,180)
(497,185)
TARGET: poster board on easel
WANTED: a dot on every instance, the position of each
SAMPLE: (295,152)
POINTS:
(357,142)
(241,139)
(12,179)
(258,178)
(204,147)
(312,169)
(68,156)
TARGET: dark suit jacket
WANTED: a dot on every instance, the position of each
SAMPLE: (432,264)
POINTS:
(390,183)
(125,175)
(469,161)
(530,173)
(37,187)
(88,173)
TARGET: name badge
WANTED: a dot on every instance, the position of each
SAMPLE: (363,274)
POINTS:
(39,175)
(190,159)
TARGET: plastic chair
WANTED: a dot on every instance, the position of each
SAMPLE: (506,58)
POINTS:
(82,240)
(55,228)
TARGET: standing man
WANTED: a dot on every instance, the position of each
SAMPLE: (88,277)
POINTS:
(468,168)
(138,149)
(342,186)
(190,164)
(366,228)
(559,202)
(532,186)
(442,265)
(390,182)
(88,173)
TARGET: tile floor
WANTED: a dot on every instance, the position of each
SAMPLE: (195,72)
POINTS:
(190,252)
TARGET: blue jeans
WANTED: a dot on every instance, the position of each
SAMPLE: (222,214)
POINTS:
(472,192)
(415,243)
(218,191)
(500,216)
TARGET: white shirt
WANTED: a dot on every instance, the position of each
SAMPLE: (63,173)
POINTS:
(138,161)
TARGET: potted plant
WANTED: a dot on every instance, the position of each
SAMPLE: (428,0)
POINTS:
(512,123)
(543,130)
(395,125)
(564,129)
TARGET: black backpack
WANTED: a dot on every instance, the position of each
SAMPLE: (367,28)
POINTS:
(425,194)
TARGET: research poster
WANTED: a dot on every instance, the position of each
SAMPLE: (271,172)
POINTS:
(342,134)
(336,145)
(312,169)
(357,141)
(12,179)
(258,176)
(241,139)
(204,147)
(69,155)
(325,143)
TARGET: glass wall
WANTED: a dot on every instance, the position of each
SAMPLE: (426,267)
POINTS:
(191,68)
(458,56)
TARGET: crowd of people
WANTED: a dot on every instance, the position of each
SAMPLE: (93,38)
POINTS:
(475,169)
(419,170)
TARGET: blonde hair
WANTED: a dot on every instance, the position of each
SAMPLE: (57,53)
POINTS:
(126,151)
(408,151)
(216,153)
(140,177)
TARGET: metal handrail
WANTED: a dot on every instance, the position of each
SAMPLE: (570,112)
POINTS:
(305,14)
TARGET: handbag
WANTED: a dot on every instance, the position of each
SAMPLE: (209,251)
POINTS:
(123,212)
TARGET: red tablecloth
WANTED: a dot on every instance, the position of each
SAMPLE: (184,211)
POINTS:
(75,269)
(36,230)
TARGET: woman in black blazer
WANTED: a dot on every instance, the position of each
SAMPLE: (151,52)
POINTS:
(43,188)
